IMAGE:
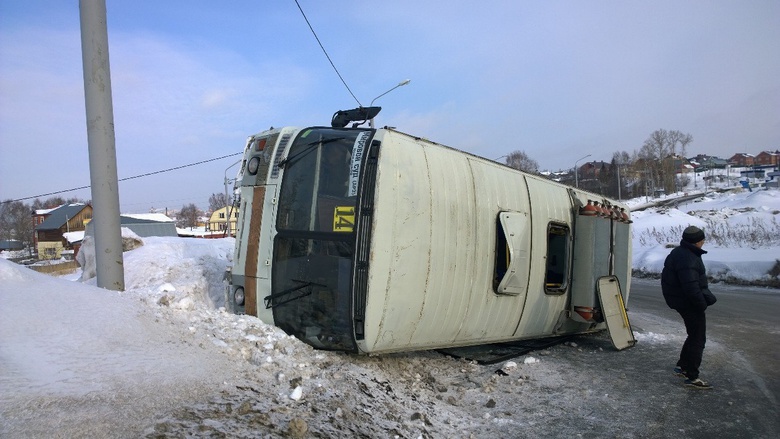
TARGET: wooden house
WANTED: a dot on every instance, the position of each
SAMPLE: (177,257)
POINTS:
(742,159)
(50,234)
(219,221)
(767,158)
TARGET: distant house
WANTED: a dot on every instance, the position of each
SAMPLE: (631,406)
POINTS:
(773,179)
(742,159)
(38,217)
(679,163)
(218,222)
(11,245)
(149,224)
(593,169)
(767,158)
(145,224)
(710,162)
(50,234)
(72,244)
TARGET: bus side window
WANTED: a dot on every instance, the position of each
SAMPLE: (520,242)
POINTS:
(502,256)
(557,257)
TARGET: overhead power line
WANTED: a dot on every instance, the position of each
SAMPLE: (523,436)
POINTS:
(127,178)
(326,54)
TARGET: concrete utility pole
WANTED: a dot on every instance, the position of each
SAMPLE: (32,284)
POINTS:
(102,146)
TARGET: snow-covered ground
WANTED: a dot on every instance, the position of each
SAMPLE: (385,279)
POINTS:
(162,359)
(742,234)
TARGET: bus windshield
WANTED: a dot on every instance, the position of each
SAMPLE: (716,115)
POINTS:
(321,175)
(315,243)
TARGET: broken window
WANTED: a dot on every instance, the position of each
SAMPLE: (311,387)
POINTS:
(557,258)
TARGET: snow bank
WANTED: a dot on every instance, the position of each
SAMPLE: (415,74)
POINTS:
(86,255)
(743,235)
(82,361)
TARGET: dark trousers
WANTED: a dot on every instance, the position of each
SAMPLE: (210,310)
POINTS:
(690,355)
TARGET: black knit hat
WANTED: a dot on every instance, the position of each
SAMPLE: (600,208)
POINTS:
(693,234)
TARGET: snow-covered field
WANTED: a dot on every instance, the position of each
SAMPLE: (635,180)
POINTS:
(742,235)
(162,359)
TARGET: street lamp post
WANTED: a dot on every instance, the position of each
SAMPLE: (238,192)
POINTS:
(228,181)
(400,84)
(576,171)
(228,200)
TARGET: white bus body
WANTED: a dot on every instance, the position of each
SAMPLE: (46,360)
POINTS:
(375,241)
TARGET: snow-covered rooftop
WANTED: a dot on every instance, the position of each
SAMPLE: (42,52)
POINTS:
(159,217)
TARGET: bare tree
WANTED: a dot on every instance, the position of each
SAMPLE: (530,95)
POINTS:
(620,173)
(520,160)
(188,216)
(659,153)
(53,202)
(16,221)
(48,203)
(622,158)
(679,138)
(217,201)
(605,177)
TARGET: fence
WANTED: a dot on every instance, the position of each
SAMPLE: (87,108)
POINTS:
(61,268)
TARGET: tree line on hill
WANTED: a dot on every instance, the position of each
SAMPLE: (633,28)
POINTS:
(656,166)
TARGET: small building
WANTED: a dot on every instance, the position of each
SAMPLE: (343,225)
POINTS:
(149,224)
(772,180)
(742,159)
(219,221)
(38,217)
(145,224)
(591,170)
(767,158)
(11,245)
(73,242)
(49,234)
(752,173)
(706,162)
(681,164)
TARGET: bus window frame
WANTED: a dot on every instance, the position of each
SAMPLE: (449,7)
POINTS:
(557,288)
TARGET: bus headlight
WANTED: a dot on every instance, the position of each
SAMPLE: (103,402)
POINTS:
(238,296)
(253,165)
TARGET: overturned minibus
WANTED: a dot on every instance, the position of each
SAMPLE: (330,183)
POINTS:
(375,241)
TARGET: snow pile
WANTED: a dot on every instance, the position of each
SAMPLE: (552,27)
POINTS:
(86,254)
(742,228)
(80,361)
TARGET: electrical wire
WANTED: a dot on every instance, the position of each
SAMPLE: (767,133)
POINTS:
(210,160)
(126,178)
(326,54)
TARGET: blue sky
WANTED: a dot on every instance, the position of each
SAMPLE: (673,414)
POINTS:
(556,79)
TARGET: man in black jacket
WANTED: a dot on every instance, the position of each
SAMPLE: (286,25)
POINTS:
(685,288)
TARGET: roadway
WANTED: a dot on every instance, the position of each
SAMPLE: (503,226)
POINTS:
(741,358)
